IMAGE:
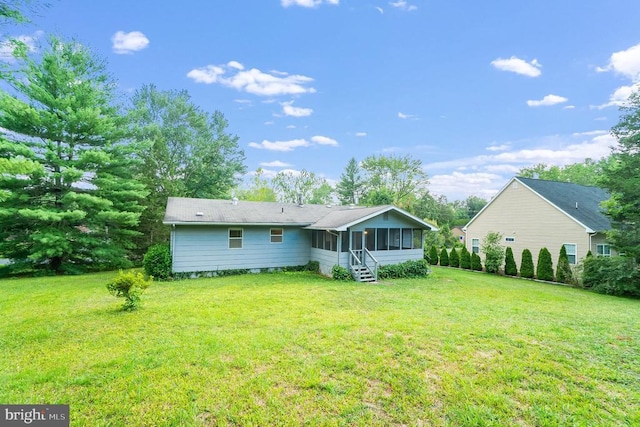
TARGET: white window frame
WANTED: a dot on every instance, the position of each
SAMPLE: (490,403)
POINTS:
(235,238)
(603,246)
(574,254)
(280,236)
(475,246)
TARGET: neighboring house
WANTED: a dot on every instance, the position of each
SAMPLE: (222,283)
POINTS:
(535,213)
(458,233)
(215,235)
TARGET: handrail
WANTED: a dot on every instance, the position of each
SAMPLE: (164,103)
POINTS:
(353,254)
(372,257)
(375,262)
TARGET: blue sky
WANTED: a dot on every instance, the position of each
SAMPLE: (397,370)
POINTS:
(475,90)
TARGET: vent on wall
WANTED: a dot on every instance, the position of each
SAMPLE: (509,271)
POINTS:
(199,213)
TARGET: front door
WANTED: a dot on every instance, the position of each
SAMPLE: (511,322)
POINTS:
(356,240)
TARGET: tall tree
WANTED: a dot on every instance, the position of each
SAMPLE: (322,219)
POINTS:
(622,179)
(303,187)
(185,152)
(75,205)
(350,188)
(399,177)
(260,189)
(583,173)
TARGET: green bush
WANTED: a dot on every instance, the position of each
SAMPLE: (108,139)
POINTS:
(341,274)
(313,266)
(454,258)
(510,268)
(433,256)
(444,257)
(407,269)
(493,252)
(465,258)
(611,275)
(564,274)
(526,265)
(476,262)
(129,286)
(544,268)
(157,262)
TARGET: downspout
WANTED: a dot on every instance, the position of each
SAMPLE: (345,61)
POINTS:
(172,247)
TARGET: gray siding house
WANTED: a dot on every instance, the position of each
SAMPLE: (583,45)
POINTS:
(215,235)
(535,213)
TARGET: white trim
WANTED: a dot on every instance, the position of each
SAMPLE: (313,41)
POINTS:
(229,238)
(281,235)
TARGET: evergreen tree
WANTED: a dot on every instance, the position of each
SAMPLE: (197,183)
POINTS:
(476,262)
(544,268)
(350,186)
(444,257)
(433,255)
(493,251)
(465,258)
(78,207)
(526,265)
(510,268)
(454,258)
(563,269)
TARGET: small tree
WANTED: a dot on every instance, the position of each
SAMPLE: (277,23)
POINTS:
(563,269)
(129,286)
(544,269)
(433,255)
(444,257)
(476,262)
(510,268)
(157,262)
(465,258)
(493,251)
(454,258)
(526,265)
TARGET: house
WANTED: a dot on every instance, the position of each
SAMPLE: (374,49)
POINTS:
(535,213)
(215,235)
(458,233)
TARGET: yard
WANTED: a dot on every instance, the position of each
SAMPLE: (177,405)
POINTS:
(458,348)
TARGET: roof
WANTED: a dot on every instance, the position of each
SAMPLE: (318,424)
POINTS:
(579,202)
(182,210)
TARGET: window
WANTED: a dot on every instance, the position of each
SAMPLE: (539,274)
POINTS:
(603,250)
(417,238)
(394,239)
(510,239)
(383,239)
(571,252)
(314,238)
(344,242)
(235,238)
(276,235)
(475,246)
(407,238)
(370,238)
(327,241)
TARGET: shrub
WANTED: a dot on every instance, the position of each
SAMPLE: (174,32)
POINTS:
(544,269)
(444,257)
(407,269)
(157,262)
(340,273)
(433,255)
(510,268)
(465,258)
(454,258)
(313,266)
(611,275)
(129,286)
(526,265)
(476,262)
(493,252)
(563,269)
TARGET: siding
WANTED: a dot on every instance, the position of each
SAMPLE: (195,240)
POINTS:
(327,259)
(534,223)
(202,248)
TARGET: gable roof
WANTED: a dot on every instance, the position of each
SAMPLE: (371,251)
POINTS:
(579,202)
(182,210)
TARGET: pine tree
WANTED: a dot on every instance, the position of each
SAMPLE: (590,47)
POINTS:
(433,255)
(454,258)
(510,268)
(444,257)
(476,262)
(526,265)
(563,269)
(465,258)
(350,186)
(544,268)
(78,207)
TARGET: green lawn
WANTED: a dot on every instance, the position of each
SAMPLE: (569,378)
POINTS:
(458,348)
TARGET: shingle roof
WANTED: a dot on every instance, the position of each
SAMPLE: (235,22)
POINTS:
(578,201)
(181,210)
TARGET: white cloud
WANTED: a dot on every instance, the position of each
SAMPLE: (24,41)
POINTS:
(323,140)
(501,147)
(289,110)
(275,164)
(547,101)
(7,46)
(130,42)
(403,5)
(463,185)
(619,97)
(569,107)
(307,3)
(379,9)
(252,81)
(625,62)
(519,66)
(406,116)
(291,126)
(361,134)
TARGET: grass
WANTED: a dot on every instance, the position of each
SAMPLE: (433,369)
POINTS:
(458,348)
